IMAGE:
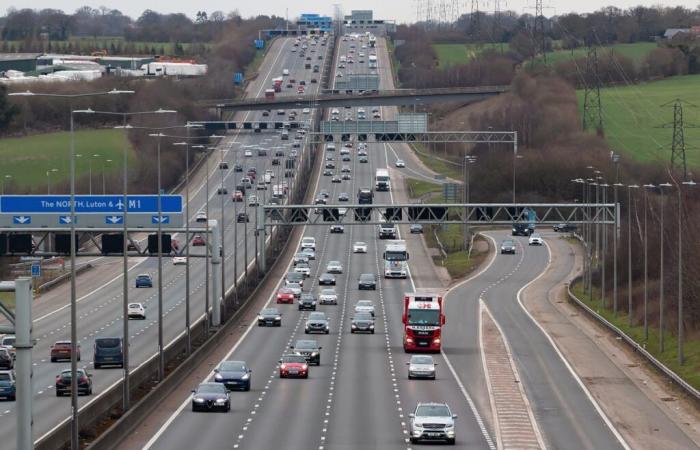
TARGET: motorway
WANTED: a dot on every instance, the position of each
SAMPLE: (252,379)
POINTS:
(99,311)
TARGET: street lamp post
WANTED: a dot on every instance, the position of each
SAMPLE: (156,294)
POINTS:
(605,248)
(468,161)
(104,186)
(681,354)
(161,356)
(661,276)
(616,161)
(629,252)
(48,180)
(75,438)
(646,261)
(90,169)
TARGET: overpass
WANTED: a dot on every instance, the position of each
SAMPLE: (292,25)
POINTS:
(381,98)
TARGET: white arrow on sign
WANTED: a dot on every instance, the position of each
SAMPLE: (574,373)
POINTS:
(162,219)
(114,219)
(22,219)
(64,219)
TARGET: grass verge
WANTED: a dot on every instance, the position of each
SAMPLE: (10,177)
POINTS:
(8,300)
(27,159)
(432,162)
(419,188)
(634,114)
(690,371)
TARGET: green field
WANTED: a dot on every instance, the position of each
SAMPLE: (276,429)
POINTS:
(27,159)
(450,54)
(631,115)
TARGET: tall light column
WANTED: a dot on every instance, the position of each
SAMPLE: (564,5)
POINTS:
(661,274)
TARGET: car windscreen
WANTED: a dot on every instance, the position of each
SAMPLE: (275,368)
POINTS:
(317,316)
(4,377)
(270,312)
(211,389)
(301,345)
(432,411)
(9,341)
(328,292)
(363,316)
(425,317)
(364,303)
(421,360)
(108,342)
(293,359)
(233,366)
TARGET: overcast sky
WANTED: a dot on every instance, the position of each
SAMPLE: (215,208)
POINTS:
(400,10)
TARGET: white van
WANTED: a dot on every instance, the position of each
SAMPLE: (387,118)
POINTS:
(330,147)
(285,72)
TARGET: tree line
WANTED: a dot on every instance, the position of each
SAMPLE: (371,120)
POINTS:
(54,24)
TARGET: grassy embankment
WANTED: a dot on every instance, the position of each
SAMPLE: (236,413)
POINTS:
(451,54)
(690,371)
(27,159)
(633,116)
(458,262)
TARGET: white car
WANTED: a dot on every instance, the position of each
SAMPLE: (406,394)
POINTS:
(253,200)
(306,111)
(365,306)
(303,268)
(179,260)
(334,267)
(429,415)
(294,287)
(328,296)
(200,217)
(535,239)
(136,311)
(421,366)
(400,163)
(248,154)
(359,247)
(308,242)
(310,253)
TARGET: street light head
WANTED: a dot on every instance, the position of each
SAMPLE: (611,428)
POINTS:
(21,94)
(165,111)
(84,111)
(633,186)
(619,184)
(689,183)
(180,143)
(663,185)
(123,127)
(649,185)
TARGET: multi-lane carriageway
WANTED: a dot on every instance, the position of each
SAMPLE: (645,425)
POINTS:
(359,397)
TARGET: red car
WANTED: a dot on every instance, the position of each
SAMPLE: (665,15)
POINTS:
(294,366)
(237,196)
(285,295)
(198,241)
(61,350)
(300,89)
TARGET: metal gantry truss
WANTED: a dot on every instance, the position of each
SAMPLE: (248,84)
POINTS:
(469,137)
(444,213)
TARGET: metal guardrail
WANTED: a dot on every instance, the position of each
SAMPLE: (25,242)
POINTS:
(690,390)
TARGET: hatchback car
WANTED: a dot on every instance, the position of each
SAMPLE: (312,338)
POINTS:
(242,217)
(421,366)
(179,260)
(63,382)
(400,163)
(198,241)
(61,350)
(144,280)
(233,375)
(200,217)
(308,242)
(317,322)
(293,366)
(367,281)
(211,397)
(270,317)
(285,295)
(334,267)
(302,268)
(432,422)
(136,311)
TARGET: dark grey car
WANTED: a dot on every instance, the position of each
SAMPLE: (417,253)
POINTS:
(270,317)
(508,246)
(326,279)
(307,302)
(362,322)
(211,397)
(309,349)
(317,322)
(367,281)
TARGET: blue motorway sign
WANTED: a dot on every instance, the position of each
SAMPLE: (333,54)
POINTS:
(88,204)
(36,270)
(22,220)
(65,220)
(163,219)
(114,220)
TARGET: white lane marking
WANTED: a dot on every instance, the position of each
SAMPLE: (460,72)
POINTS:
(463,390)
(595,404)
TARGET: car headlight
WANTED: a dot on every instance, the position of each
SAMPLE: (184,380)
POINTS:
(218,377)
(220,400)
(198,400)
(260,318)
(245,377)
(354,326)
(314,354)
(371,326)
(278,317)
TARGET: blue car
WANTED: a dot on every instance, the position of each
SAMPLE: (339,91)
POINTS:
(144,280)
(8,389)
(234,375)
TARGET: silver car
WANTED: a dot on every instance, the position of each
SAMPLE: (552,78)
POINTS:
(328,296)
(421,366)
(365,306)
(432,422)
(334,267)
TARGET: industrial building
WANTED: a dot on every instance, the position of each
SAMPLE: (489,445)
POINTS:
(22,62)
(360,21)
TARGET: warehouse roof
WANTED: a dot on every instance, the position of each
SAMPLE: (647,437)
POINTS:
(18,56)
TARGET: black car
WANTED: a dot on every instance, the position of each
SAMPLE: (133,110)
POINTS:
(521,229)
(327,172)
(279,153)
(317,322)
(336,228)
(242,217)
(309,349)
(326,279)
(416,228)
(270,317)
(307,302)
(222,191)
(63,382)
(367,281)
(362,322)
(330,165)
(266,113)
(275,162)
(363,159)
(564,228)
(237,168)
(336,179)
(211,397)
(223,165)
(6,359)
(508,246)
(233,375)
